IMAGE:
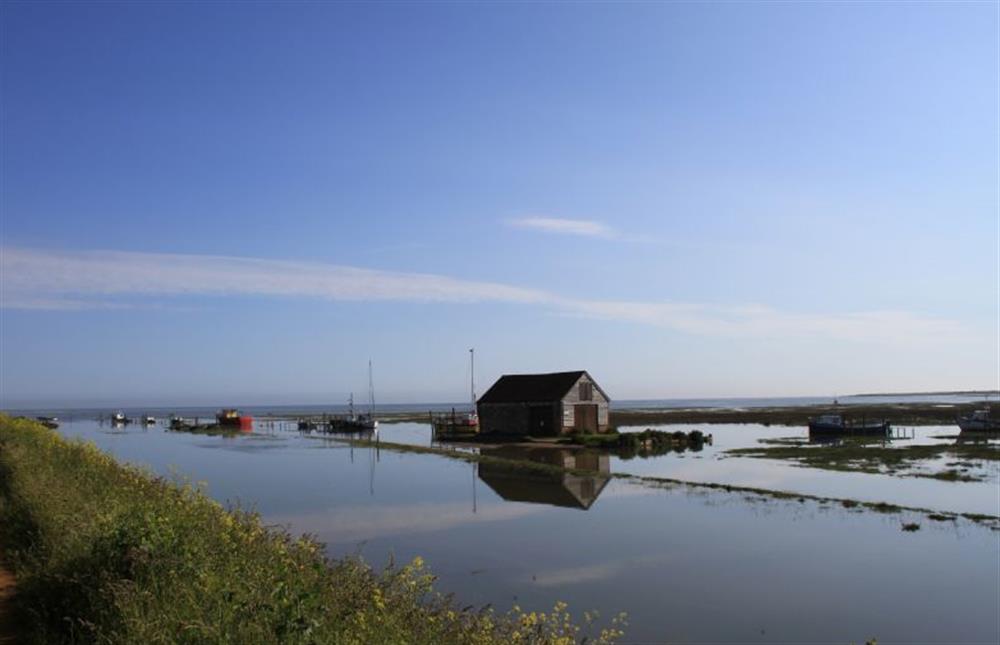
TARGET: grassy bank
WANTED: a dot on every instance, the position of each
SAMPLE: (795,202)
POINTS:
(109,554)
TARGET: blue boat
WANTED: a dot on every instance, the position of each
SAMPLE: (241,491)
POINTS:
(836,424)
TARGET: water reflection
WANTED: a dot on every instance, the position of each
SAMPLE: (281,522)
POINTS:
(567,489)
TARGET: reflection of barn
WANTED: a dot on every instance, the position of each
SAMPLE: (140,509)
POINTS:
(570,490)
(544,404)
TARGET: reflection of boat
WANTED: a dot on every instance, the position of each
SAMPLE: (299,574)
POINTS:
(835,424)
(554,487)
(462,423)
(232,418)
(978,421)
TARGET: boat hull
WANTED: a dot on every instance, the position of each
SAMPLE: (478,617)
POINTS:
(879,429)
(243,423)
(352,425)
(978,425)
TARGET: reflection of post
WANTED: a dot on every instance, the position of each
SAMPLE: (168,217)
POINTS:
(474,465)
(371,470)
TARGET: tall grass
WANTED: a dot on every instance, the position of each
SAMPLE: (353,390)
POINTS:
(108,553)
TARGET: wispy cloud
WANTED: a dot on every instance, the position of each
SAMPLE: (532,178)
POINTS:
(58,280)
(744,321)
(31,276)
(585,228)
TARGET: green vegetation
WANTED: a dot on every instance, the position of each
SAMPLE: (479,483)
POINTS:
(909,414)
(866,457)
(647,443)
(107,553)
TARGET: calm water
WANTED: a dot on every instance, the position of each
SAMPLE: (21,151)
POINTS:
(712,465)
(687,565)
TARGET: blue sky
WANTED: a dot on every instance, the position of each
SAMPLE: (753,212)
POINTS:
(204,203)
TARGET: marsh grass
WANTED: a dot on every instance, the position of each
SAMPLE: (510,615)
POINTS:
(908,414)
(867,457)
(107,553)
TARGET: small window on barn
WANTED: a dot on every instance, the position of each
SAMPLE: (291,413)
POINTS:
(586,391)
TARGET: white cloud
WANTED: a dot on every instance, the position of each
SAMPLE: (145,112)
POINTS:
(556,225)
(28,273)
(34,279)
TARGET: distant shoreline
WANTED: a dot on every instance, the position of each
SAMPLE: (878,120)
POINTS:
(943,393)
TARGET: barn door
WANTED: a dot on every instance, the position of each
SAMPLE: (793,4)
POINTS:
(586,417)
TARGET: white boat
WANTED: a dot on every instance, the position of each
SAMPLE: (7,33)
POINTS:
(979,421)
(119,417)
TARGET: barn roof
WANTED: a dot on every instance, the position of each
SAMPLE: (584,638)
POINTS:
(519,388)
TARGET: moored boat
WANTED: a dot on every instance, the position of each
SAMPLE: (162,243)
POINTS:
(456,423)
(231,417)
(979,421)
(119,418)
(836,424)
(364,422)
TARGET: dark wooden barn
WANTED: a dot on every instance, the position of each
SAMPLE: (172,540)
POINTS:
(544,405)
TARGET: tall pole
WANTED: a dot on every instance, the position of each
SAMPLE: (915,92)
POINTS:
(371,391)
(472,377)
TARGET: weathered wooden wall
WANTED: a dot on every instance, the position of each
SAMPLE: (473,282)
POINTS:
(572,398)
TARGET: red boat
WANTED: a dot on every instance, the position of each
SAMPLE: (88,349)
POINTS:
(233,418)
